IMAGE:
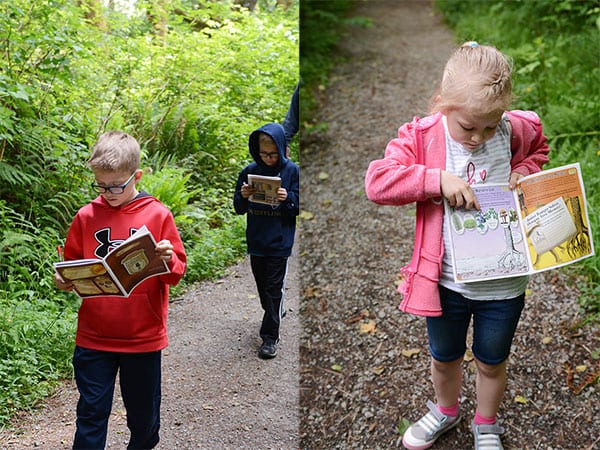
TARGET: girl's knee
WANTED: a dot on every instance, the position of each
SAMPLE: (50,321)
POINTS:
(446,366)
(491,370)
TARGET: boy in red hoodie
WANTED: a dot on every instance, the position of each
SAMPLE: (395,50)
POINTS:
(116,334)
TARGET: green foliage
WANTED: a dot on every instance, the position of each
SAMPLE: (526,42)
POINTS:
(403,426)
(218,250)
(190,96)
(322,25)
(557,74)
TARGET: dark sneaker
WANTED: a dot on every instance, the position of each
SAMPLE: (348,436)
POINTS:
(268,350)
(423,434)
(487,437)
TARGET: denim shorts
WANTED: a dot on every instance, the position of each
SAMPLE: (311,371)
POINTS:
(494,325)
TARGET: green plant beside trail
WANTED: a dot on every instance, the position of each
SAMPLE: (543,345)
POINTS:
(557,74)
(322,25)
(190,83)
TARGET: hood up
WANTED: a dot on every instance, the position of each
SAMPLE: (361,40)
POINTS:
(277,133)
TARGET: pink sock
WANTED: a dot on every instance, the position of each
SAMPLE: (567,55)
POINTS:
(480,420)
(449,411)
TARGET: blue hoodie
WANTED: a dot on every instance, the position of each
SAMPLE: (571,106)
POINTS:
(270,229)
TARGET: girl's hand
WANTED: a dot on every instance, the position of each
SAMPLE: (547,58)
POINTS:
(247,190)
(458,192)
(514,179)
(164,250)
(281,194)
(61,284)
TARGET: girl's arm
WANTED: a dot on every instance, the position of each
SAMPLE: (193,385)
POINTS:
(528,144)
(398,179)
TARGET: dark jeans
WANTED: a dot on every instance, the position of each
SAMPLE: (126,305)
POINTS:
(269,273)
(140,382)
(494,325)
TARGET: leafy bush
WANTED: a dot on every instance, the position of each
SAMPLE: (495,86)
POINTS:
(190,96)
(322,25)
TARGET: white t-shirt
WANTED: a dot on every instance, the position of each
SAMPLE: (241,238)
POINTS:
(490,163)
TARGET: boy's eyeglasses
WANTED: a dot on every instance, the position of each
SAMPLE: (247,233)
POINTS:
(268,155)
(116,189)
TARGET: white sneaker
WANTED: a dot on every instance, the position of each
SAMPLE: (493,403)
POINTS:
(423,434)
(487,437)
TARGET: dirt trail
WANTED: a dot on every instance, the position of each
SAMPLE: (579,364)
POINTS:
(217,394)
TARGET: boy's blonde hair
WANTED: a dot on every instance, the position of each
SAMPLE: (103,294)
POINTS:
(264,138)
(115,151)
(477,77)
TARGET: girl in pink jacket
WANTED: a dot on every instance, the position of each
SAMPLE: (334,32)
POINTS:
(468,138)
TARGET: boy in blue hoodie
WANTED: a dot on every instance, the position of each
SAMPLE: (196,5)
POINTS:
(270,229)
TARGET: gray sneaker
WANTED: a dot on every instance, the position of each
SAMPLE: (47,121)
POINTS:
(423,434)
(487,437)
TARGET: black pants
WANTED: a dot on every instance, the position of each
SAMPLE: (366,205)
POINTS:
(269,273)
(140,380)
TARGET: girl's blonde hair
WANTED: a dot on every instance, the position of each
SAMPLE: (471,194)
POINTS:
(477,77)
(115,151)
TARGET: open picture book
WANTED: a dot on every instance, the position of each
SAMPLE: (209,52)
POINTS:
(119,272)
(266,189)
(542,224)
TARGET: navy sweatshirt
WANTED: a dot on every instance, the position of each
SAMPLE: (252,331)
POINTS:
(270,229)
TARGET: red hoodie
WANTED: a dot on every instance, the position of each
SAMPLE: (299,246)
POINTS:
(136,324)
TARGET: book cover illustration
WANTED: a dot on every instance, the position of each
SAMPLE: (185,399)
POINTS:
(542,224)
(488,243)
(121,270)
(266,189)
(556,220)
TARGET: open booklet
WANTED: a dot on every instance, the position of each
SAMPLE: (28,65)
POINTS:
(266,189)
(119,272)
(542,224)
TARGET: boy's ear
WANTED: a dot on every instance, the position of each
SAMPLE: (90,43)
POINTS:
(138,175)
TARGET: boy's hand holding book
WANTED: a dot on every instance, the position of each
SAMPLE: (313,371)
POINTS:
(164,250)
(281,194)
(61,284)
(248,190)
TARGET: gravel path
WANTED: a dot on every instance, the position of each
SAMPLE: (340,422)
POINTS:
(364,365)
(217,394)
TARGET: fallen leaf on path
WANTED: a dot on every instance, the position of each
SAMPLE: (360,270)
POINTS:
(368,327)
(378,370)
(589,379)
(337,368)
(520,399)
(547,340)
(311,292)
(410,352)
(306,215)
(323,176)
(403,426)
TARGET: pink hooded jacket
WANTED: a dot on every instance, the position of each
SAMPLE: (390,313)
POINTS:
(411,172)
